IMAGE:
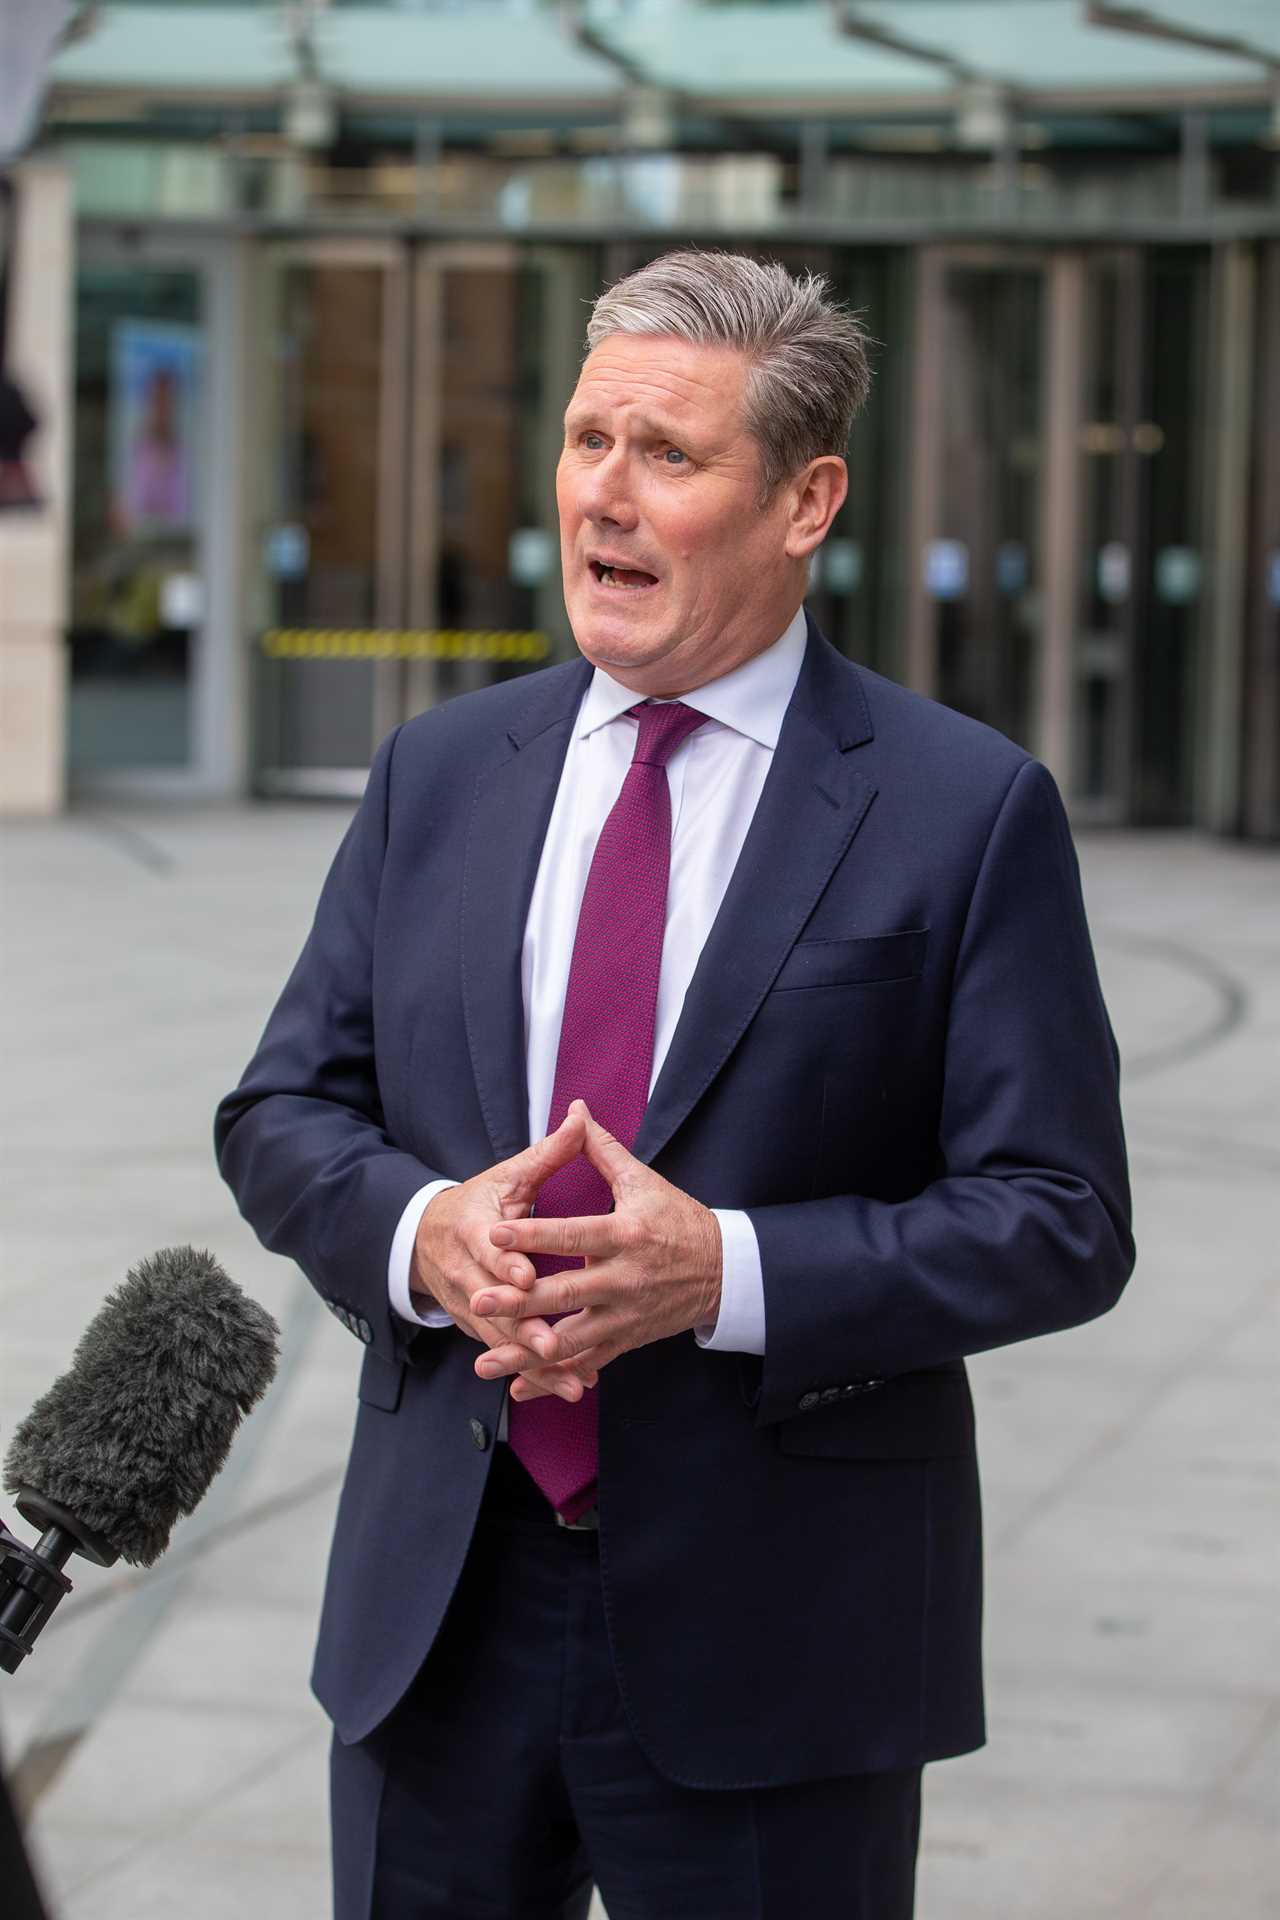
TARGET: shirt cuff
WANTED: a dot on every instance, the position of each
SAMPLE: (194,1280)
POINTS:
(400,1262)
(739,1326)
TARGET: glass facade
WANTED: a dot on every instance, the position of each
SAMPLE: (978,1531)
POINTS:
(140,466)
(400,447)
(1063,236)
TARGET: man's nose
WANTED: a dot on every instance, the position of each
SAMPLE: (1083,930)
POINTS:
(605,494)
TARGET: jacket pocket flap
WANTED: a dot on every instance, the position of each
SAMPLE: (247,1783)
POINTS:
(381,1382)
(842,963)
(917,1416)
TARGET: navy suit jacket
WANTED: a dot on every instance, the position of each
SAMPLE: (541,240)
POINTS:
(894,1055)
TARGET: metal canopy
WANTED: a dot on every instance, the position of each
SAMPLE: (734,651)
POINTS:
(795,57)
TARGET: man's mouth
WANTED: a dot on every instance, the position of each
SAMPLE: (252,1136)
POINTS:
(623,579)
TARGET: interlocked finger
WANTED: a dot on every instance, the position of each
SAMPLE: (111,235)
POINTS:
(592,1286)
(500,1264)
(602,1334)
(510,1354)
(535,1384)
(593,1236)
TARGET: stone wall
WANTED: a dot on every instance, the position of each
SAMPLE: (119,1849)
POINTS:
(35,542)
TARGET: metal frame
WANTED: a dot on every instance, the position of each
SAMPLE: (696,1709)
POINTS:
(1060,517)
(919,652)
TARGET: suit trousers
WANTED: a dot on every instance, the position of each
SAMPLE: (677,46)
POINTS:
(508,1781)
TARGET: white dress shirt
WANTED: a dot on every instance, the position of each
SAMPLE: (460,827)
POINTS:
(715,779)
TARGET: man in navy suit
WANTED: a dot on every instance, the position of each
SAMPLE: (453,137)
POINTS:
(697,1053)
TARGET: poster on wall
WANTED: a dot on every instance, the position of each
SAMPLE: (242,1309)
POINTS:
(153,413)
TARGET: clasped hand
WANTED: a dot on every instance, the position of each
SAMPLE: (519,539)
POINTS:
(652,1266)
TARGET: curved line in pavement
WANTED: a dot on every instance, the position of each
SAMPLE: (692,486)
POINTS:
(1230,1010)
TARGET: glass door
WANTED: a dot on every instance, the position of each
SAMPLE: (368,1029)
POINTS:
(332,440)
(975,593)
(152,629)
(1057,510)
(1141,566)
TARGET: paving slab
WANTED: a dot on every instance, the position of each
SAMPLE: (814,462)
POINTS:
(1132,1486)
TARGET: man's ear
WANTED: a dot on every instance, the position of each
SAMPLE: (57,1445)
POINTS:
(816,497)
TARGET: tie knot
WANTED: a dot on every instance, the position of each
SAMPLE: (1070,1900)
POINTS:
(662,728)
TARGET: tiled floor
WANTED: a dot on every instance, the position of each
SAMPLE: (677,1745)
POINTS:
(1130,1470)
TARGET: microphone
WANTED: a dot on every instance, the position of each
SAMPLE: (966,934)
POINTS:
(133,1434)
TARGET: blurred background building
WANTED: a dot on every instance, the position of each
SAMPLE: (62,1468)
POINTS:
(297,294)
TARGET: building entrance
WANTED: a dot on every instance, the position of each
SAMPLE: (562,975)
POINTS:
(1058,510)
(1025,539)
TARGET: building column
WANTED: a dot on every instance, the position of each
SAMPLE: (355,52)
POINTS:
(1261,783)
(1231,369)
(35,543)
(1056,683)
(920,651)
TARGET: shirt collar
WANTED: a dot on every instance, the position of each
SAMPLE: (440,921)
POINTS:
(752,699)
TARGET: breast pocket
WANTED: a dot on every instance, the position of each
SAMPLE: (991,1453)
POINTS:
(862,961)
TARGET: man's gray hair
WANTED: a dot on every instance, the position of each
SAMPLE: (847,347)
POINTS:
(808,373)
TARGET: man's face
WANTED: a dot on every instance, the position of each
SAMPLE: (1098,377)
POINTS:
(673,573)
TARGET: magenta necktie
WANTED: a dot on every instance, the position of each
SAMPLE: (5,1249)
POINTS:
(605,1058)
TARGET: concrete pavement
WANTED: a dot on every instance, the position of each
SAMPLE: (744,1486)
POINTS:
(1130,1467)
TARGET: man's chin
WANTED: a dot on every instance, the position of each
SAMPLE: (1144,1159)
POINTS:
(618,648)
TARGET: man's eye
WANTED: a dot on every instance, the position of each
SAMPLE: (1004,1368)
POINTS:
(674,457)
(593,441)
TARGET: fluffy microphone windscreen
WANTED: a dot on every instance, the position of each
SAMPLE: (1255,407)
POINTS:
(132,1435)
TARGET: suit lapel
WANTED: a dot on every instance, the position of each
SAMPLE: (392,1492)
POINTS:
(509,815)
(813,802)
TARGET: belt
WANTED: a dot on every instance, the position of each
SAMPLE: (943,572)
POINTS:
(588,1522)
(512,1492)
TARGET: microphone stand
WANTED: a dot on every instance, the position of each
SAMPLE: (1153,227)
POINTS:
(31,1578)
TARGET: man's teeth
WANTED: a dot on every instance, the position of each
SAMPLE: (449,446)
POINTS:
(625,577)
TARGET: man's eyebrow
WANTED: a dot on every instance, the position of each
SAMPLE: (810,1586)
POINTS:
(585,417)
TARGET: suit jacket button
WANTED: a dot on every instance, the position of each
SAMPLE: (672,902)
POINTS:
(479,1433)
(808,1400)
(365,1331)
(830,1393)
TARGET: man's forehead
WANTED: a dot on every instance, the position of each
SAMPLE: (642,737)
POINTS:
(654,377)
